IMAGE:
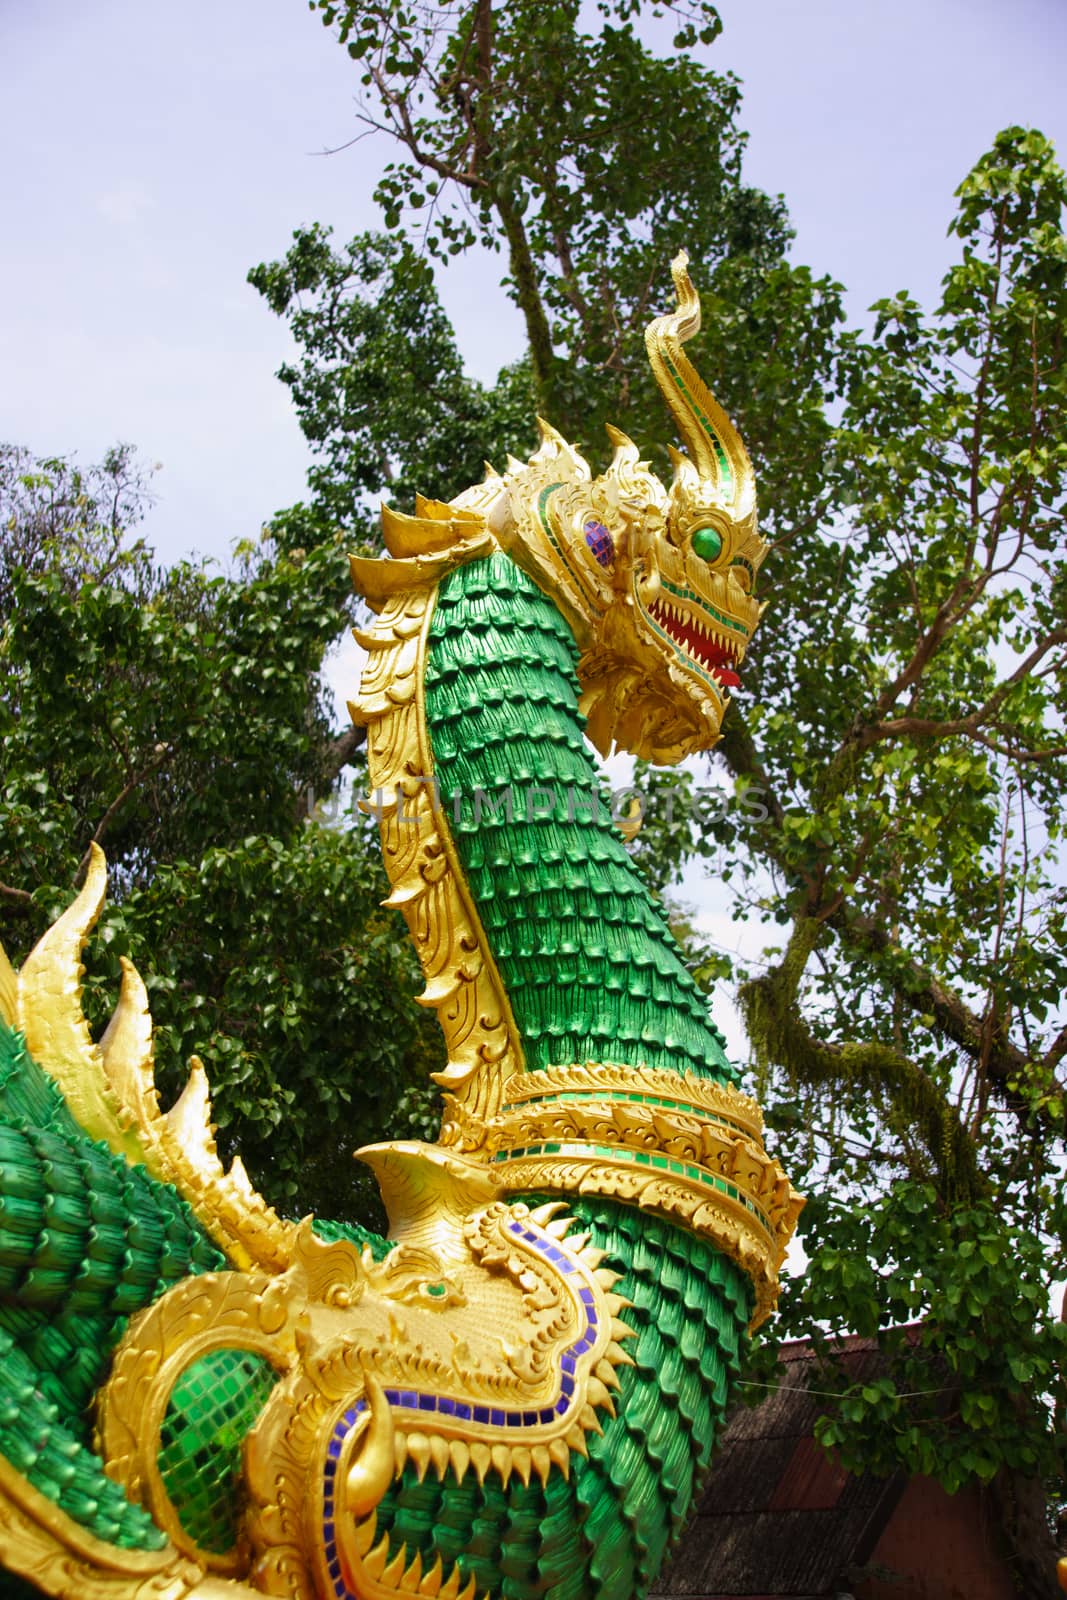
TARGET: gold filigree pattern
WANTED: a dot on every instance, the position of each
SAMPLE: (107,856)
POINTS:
(686,1147)
(373,1373)
(428,885)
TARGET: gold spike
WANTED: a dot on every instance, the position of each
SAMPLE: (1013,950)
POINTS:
(515,465)
(363,1533)
(590,1421)
(578,1241)
(460,1455)
(501,1454)
(450,1587)
(439,1455)
(8,989)
(606,1278)
(576,1438)
(607,1374)
(419,1451)
(620,442)
(403,894)
(126,1045)
(49,1016)
(522,1463)
(557,1228)
(542,1462)
(481,1459)
(597,1395)
(544,1214)
(374,1561)
(549,434)
(189,1118)
(491,474)
(560,1455)
(400,1445)
(469,1590)
(409,1583)
(238,1176)
(431,1582)
(393,1573)
(622,1330)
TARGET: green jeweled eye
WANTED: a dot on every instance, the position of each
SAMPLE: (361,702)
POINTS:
(707,543)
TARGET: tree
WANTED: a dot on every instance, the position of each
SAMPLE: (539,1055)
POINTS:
(897,753)
(587,193)
(176,717)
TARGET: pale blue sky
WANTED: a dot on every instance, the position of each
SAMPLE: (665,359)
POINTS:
(153,154)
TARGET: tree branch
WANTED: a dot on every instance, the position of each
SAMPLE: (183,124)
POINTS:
(780,1034)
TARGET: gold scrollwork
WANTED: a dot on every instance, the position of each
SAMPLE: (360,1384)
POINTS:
(428,884)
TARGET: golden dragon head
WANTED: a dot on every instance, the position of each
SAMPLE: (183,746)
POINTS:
(656,584)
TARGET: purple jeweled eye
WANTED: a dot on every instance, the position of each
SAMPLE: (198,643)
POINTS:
(598,539)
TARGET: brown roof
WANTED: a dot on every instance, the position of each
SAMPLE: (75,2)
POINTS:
(778,1515)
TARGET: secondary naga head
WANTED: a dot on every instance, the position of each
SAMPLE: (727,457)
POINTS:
(656,584)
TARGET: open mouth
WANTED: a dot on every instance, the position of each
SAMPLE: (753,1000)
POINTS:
(710,649)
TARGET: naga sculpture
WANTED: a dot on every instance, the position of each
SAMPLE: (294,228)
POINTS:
(517,1392)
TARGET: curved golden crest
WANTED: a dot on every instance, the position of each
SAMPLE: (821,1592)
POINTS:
(110,1087)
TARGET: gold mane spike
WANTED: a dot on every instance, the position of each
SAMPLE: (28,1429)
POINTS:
(717,457)
(110,1087)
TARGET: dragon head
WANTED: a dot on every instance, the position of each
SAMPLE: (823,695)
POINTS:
(657,585)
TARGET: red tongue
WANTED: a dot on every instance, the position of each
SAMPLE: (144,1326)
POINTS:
(728,679)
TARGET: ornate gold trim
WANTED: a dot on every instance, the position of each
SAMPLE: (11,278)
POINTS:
(686,1147)
(428,884)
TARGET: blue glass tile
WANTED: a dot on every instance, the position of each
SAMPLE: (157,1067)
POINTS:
(561,1404)
(462,1411)
(409,1398)
(497,1419)
(566,1385)
(447,1406)
(529,1419)
(327,1533)
(514,1419)
(335,1569)
(333,1449)
(427,1402)
(481,1413)
(567,1363)
(588,1296)
(549,1413)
